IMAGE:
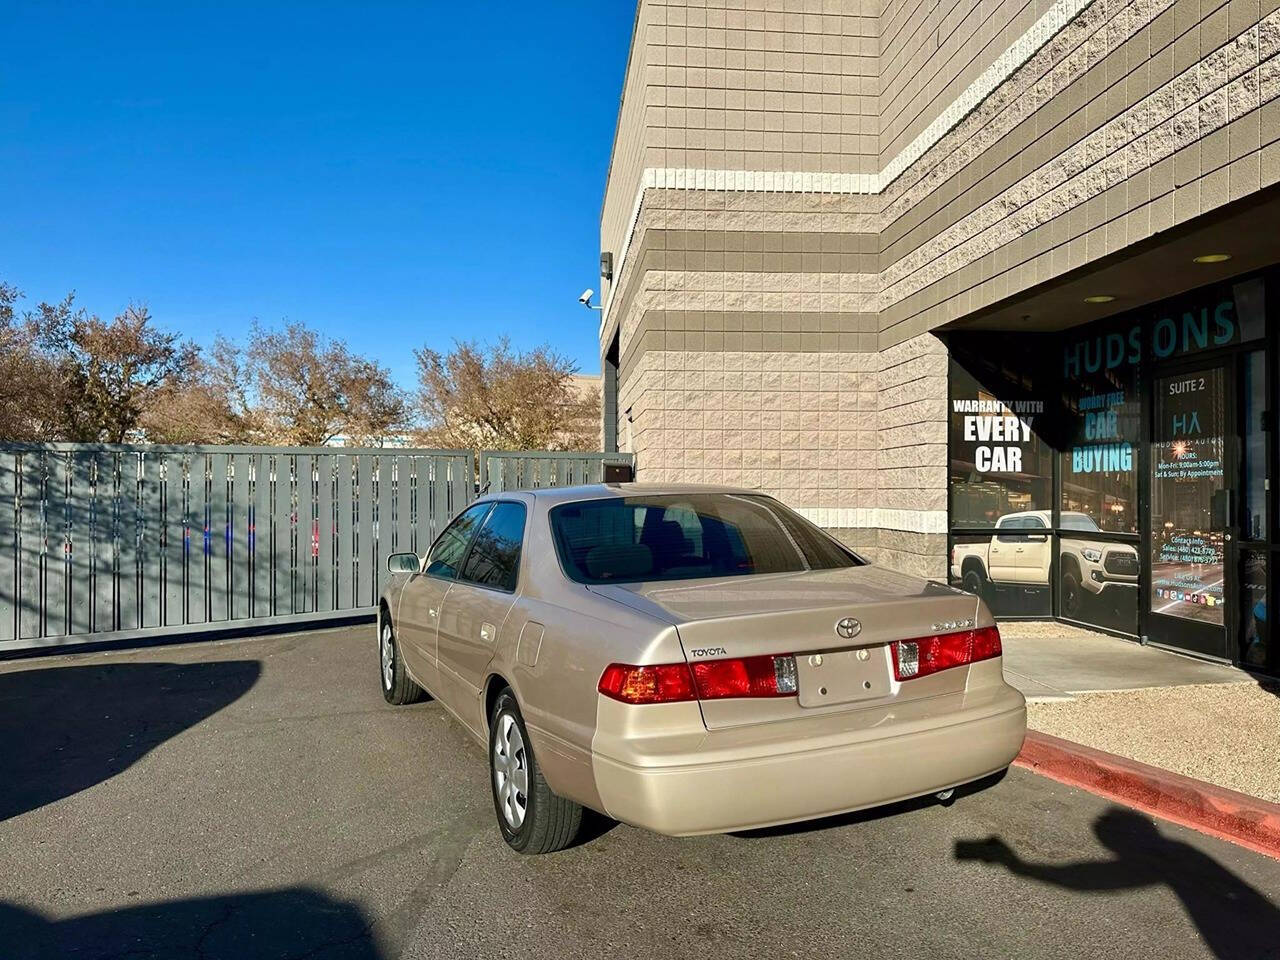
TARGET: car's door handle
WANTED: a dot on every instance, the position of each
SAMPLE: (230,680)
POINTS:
(432,612)
(486,632)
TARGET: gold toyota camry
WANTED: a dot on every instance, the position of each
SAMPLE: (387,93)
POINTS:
(690,659)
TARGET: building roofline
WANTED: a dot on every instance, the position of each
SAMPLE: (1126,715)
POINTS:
(622,97)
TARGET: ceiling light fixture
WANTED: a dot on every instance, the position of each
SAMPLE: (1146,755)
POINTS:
(1212,258)
(1099,298)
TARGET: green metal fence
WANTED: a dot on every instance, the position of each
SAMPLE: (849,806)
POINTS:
(529,469)
(115,542)
(101,542)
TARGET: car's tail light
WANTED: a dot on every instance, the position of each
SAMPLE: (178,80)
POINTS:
(926,655)
(657,683)
(767,676)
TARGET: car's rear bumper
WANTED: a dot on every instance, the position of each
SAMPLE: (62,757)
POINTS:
(816,778)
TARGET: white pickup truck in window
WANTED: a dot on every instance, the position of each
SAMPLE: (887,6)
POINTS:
(1020,553)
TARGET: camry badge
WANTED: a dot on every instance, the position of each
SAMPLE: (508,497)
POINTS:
(848,628)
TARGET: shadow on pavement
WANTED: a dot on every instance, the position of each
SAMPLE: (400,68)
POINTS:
(277,924)
(1234,919)
(871,813)
(64,729)
(594,826)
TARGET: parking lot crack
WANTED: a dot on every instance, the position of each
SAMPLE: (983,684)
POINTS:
(447,849)
(228,911)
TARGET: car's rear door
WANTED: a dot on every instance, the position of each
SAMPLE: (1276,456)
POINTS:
(477,605)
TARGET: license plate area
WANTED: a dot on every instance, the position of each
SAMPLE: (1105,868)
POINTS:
(843,676)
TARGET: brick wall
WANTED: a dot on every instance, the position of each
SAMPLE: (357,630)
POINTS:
(877,171)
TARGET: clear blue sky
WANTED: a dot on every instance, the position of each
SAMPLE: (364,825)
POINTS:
(394,174)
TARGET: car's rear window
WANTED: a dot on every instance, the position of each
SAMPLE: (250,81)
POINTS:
(687,537)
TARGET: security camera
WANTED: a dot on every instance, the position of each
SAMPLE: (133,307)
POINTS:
(585,299)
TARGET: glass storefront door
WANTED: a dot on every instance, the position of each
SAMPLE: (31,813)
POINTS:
(1253,529)
(1146,445)
(1191,593)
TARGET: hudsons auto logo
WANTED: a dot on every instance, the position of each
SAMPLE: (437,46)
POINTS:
(848,628)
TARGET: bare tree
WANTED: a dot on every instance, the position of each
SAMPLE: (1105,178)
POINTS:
(65,374)
(108,372)
(296,386)
(480,396)
(207,406)
(27,410)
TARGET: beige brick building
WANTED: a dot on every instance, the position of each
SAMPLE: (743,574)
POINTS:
(812,206)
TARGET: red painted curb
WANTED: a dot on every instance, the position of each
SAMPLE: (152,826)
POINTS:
(1236,817)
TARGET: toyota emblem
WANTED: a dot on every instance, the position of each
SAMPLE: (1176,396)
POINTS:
(848,628)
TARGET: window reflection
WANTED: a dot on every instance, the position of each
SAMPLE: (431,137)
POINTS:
(1253,495)
(494,560)
(452,545)
(1187,479)
(1254,638)
(1010,570)
(1103,413)
(1098,580)
(1000,465)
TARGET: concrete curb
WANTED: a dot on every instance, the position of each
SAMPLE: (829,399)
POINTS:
(1217,811)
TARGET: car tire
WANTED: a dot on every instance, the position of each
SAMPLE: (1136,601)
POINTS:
(398,687)
(974,582)
(531,817)
(1072,594)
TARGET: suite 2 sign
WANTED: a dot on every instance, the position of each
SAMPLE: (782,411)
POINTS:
(998,430)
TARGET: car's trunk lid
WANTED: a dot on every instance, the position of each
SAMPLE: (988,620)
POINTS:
(801,614)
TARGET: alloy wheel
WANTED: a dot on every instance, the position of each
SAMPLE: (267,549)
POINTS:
(386,647)
(1071,597)
(511,771)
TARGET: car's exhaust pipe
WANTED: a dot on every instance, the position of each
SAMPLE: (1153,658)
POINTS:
(945,795)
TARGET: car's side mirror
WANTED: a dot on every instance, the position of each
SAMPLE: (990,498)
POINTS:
(404,563)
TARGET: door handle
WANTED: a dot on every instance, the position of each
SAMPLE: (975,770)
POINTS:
(432,612)
(487,632)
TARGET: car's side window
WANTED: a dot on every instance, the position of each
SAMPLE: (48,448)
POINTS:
(1035,524)
(494,560)
(1010,531)
(448,551)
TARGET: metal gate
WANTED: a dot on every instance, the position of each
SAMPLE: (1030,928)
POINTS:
(112,542)
(104,542)
(528,469)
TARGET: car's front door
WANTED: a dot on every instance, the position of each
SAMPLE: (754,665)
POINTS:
(477,605)
(1002,552)
(418,619)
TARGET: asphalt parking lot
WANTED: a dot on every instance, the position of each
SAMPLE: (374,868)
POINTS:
(256,798)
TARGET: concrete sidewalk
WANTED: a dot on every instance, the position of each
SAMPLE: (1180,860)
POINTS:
(1054,661)
(1201,720)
